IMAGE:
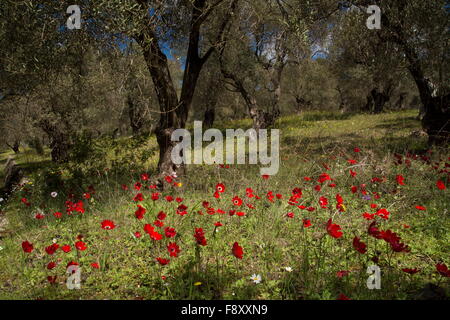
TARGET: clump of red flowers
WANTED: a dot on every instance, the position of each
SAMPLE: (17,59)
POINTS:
(199,236)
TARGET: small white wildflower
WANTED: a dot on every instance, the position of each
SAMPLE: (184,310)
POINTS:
(54,194)
(288,269)
(256,278)
(1,248)
(1,199)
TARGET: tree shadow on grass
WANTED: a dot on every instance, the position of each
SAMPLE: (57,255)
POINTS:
(395,284)
(409,123)
(210,282)
(322,116)
(382,145)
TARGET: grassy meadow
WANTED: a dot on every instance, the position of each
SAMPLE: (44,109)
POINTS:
(261,238)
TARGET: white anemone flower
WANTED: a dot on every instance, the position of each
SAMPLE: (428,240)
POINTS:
(256,278)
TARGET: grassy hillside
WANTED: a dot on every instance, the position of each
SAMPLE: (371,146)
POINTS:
(352,169)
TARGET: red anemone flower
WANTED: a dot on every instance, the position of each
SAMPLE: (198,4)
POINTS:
(343,297)
(162,261)
(443,270)
(440,184)
(237,201)
(306,223)
(220,187)
(108,225)
(181,210)
(400,180)
(80,245)
(140,212)
(57,214)
(138,197)
(173,249)
(334,230)
(237,250)
(170,232)
(410,271)
(52,248)
(27,246)
(161,215)
(359,246)
(66,248)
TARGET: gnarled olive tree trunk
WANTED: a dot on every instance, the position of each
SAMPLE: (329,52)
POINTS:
(261,119)
(377,99)
(436,120)
(59,141)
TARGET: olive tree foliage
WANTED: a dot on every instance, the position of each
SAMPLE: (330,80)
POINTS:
(362,60)
(50,74)
(265,39)
(311,85)
(71,75)
(418,30)
(23,64)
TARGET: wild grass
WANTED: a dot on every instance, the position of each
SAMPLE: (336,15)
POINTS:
(294,262)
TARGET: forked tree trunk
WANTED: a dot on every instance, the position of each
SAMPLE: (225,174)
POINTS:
(261,119)
(174,111)
(15,147)
(302,104)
